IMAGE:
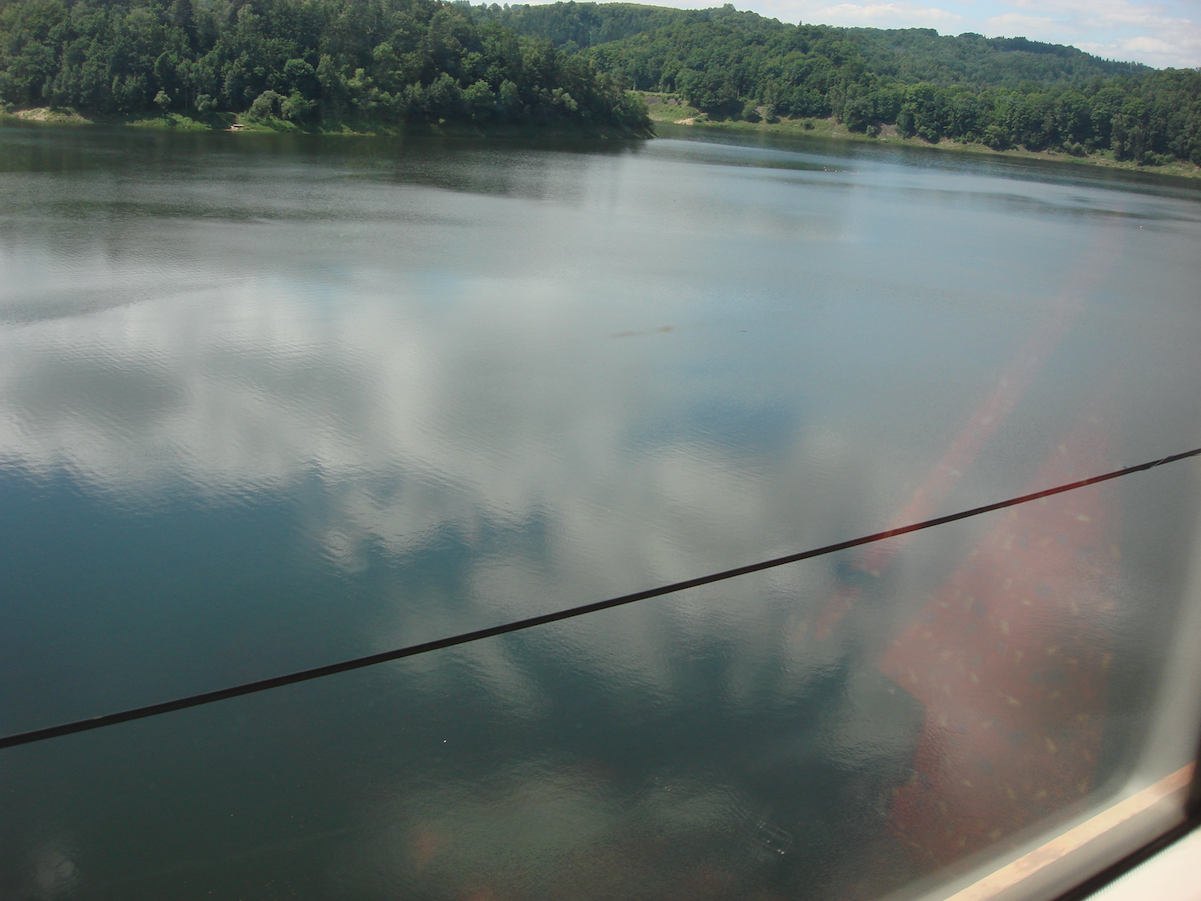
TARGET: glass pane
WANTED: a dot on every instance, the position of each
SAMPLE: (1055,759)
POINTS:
(269,402)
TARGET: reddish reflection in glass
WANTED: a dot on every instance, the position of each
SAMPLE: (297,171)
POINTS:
(1011,660)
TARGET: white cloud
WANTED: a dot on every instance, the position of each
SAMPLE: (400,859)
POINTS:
(1149,45)
(1158,34)
(1180,52)
(1154,33)
(873,15)
(1108,10)
(1013,23)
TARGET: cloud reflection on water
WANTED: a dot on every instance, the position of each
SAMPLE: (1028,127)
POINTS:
(437,361)
(393,387)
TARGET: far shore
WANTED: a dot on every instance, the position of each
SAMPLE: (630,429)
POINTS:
(670,109)
(239,123)
(664,109)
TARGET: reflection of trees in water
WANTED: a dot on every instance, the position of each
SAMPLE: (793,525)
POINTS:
(96,194)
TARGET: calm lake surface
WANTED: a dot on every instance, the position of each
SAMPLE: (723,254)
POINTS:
(269,402)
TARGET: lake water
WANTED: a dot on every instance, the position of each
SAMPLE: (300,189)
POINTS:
(272,402)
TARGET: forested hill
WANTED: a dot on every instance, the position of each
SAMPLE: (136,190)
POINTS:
(1003,92)
(298,60)
(911,54)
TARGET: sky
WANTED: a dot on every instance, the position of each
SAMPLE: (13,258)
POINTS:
(1161,34)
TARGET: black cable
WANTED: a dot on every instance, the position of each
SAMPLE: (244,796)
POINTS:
(330,669)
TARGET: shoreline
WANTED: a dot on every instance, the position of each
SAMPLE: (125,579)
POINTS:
(667,109)
(239,124)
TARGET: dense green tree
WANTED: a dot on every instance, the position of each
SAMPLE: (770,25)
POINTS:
(1003,92)
(299,60)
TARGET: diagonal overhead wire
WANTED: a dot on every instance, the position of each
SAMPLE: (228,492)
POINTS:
(331,669)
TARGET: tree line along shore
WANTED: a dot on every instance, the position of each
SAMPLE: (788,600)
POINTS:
(305,63)
(319,64)
(672,110)
(998,93)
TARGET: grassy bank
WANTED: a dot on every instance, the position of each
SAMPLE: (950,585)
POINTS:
(346,126)
(669,108)
(165,121)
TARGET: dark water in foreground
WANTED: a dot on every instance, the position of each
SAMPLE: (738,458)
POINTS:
(267,403)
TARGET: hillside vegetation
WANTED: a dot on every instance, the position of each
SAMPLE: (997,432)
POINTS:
(301,62)
(1001,92)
